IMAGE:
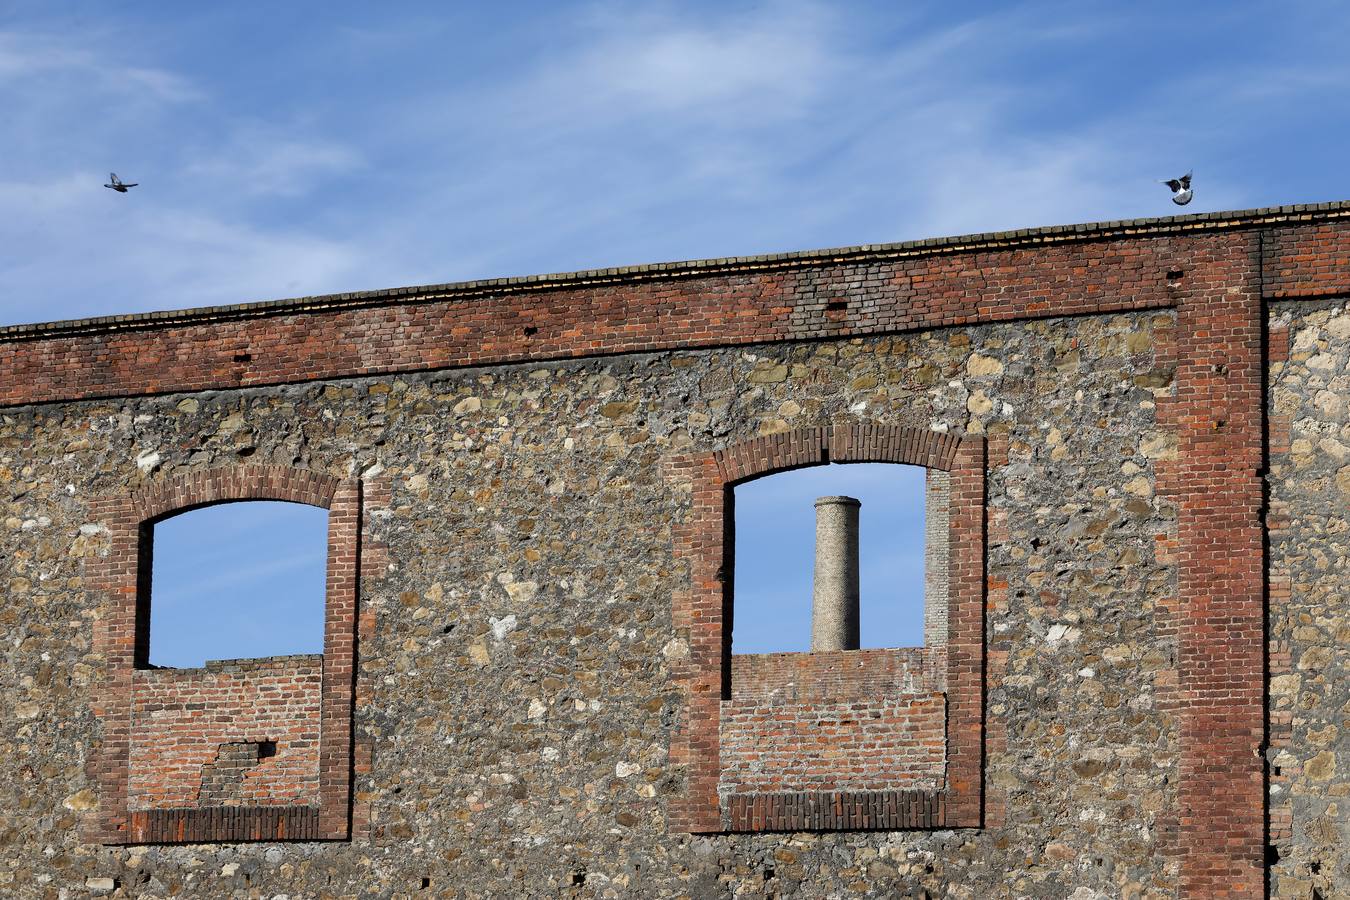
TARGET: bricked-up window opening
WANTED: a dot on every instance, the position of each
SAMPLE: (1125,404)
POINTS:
(238,580)
(774,555)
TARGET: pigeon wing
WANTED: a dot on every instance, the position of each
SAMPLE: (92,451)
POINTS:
(1174,184)
(1186,181)
(112,176)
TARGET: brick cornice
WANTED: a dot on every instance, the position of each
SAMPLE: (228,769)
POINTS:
(859,291)
(1013,239)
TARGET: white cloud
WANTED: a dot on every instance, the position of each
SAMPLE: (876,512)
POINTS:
(648,63)
(102,253)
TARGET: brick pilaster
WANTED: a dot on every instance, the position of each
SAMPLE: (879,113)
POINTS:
(1218,491)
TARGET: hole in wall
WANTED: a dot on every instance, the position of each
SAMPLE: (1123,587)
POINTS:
(237,581)
(531,330)
(243,357)
(773,571)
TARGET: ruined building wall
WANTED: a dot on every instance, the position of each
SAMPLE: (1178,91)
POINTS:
(518,690)
(535,706)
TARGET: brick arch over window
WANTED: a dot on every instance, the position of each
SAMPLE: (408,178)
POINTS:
(702,612)
(121,579)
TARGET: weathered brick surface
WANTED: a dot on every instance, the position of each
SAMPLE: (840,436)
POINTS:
(1218,413)
(185,723)
(853,743)
(535,675)
(836,811)
(856,720)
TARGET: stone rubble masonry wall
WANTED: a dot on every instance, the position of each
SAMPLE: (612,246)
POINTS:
(1309,640)
(519,672)
(527,484)
(833,721)
(182,721)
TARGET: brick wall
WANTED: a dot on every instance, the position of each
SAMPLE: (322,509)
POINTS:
(833,721)
(188,726)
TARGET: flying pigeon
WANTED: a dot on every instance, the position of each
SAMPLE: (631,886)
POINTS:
(1181,189)
(121,188)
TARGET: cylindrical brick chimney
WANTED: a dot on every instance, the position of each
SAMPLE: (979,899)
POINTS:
(834,605)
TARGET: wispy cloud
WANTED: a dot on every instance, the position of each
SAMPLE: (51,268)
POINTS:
(262,161)
(32,56)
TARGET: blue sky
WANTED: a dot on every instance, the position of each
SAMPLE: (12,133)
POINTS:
(302,148)
(204,604)
(775,555)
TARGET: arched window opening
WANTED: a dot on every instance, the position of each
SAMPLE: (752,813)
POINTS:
(242,580)
(784,519)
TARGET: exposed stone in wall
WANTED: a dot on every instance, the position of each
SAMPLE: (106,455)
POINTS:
(224,779)
(516,701)
(1309,618)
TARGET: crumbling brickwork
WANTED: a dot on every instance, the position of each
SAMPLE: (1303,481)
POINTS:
(527,484)
(182,721)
